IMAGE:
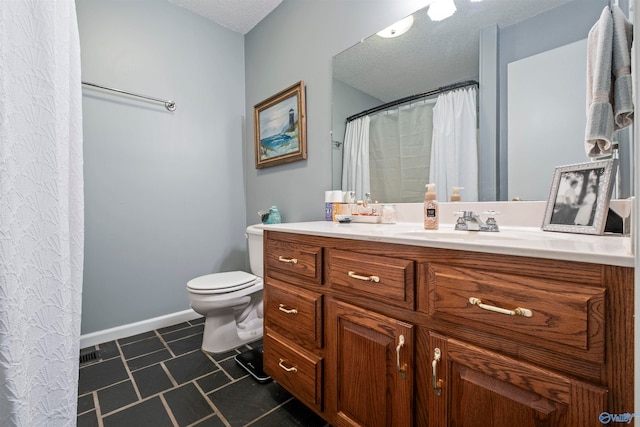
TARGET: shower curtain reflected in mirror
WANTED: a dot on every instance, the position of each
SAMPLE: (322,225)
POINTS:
(454,153)
(393,154)
(399,152)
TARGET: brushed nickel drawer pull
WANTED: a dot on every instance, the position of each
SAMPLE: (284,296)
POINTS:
(291,369)
(524,312)
(436,384)
(402,369)
(353,274)
(281,307)
(288,260)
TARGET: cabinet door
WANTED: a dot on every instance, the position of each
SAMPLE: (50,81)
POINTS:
(476,387)
(373,372)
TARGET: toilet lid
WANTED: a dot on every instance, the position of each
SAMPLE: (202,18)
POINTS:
(222,282)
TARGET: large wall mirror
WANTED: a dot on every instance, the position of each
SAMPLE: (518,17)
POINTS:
(529,57)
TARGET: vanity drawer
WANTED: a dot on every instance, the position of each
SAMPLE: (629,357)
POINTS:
(294,313)
(285,260)
(520,306)
(390,280)
(296,369)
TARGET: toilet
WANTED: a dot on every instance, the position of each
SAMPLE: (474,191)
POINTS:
(231,302)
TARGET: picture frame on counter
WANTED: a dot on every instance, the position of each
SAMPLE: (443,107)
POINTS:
(280,127)
(580,196)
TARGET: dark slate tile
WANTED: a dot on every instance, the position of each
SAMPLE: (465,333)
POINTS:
(134,338)
(238,410)
(190,366)
(232,368)
(186,345)
(151,380)
(213,421)
(182,333)
(99,375)
(292,413)
(86,403)
(187,404)
(149,413)
(223,356)
(90,419)
(116,396)
(213,381)
(172,328)
(197,321)
(139,348)
(148,359)
(108,350)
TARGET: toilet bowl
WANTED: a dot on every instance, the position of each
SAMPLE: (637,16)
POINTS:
(231,302)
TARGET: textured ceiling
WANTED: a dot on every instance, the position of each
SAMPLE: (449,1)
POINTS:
(431,54)
(237,15)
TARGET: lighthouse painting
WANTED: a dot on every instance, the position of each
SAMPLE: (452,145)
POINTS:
(280,128)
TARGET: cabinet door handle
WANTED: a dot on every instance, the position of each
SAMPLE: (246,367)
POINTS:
(288,260)
(402,369)
(354,275)
(291,369)
(281,307)
(524,312)
(436,384)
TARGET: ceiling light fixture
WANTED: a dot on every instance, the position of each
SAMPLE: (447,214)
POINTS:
(441,9)
(397,29)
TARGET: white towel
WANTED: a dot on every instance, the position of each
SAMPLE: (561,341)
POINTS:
(621,69)
(600,124)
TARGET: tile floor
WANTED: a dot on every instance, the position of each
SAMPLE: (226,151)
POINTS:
(162,378)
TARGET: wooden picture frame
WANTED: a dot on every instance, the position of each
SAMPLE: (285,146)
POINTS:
(280,127)
(579,197)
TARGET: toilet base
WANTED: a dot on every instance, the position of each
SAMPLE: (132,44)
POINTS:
(222,334)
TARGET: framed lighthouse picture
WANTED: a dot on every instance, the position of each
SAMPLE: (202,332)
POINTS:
(280,128)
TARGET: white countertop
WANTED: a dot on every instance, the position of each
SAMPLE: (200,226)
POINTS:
(521,241)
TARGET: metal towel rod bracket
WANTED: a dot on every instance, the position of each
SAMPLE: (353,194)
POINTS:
(168,104)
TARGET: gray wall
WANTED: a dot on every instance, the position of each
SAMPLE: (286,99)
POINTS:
(164,191)
(296,42)
(528,38)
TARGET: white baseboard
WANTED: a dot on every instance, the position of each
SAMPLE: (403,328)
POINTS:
(99,337)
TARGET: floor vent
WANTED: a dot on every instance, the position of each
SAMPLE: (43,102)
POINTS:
(89,357)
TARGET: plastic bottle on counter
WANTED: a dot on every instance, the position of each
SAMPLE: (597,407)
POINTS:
(455,195)
(431,214)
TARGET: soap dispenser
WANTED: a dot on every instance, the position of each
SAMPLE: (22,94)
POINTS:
(455,195)
(431,214)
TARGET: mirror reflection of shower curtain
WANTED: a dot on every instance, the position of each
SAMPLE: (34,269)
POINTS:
(454,152)
(355,172)
(399,152)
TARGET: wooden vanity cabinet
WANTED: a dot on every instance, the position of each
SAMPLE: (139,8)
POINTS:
(371,367)
(519,341)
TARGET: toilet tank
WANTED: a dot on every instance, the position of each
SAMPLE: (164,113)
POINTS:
(254,242)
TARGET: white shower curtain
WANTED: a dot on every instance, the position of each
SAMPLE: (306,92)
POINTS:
(355,170)
(41,212)
(454,149)
(399,152)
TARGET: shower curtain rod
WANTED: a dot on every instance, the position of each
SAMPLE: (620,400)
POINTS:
(169,105)
(413,98)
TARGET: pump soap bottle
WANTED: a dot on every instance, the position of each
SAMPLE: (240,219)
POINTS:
(455,195)
(431,214)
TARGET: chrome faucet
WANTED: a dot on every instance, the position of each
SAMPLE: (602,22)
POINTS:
(470,221)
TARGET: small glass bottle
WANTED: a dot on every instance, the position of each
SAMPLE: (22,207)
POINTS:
(388,214)
(274,216)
